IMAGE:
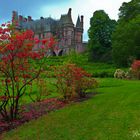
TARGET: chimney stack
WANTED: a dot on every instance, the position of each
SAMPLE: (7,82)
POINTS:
(25,19)
(29,18)
(41,17)
(69,12)
(82,21)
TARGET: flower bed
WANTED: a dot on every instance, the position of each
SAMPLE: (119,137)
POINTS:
(32,111)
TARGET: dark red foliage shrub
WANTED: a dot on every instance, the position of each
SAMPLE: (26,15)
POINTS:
(16,53)
(73,81)
(136,68)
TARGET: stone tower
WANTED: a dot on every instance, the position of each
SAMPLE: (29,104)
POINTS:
(67,27)
(79,34)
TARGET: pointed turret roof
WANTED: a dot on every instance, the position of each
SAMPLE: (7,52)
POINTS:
(78,23)
(67,19)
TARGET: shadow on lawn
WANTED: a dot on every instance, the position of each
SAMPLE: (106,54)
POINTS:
(109,86)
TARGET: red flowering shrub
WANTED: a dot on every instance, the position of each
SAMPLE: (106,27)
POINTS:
(16,54)
(73,81)
(136,68)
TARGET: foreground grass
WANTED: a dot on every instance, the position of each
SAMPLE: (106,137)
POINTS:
(113,114)
(51,93)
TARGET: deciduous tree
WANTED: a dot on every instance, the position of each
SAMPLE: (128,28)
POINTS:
(100,31)
(126,42)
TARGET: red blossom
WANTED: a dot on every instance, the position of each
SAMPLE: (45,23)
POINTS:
(51,43)
(8,80)
(37,41)
(16,78)
(21,68)
(42,47)
(136,68)
(10,47)
(136,65)
(28,34)
(30,45)
(26,76)
(3,98)
(22,55)
(44,41)
(35,55)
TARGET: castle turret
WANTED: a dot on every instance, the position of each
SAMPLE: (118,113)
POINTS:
(78,23)
(79,30)
(66,19)
(79,34)
(68,28)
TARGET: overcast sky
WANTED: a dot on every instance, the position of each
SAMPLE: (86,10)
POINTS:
(55,8)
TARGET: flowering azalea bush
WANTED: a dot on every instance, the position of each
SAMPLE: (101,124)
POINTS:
(136,68)
(17,71)
(73,81)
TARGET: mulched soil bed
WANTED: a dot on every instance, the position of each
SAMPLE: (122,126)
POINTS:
(32,111)
(35,110)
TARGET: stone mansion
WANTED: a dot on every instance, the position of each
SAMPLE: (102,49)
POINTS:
(69,36)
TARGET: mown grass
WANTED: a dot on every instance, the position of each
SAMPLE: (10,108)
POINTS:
(51,91)
(112,114)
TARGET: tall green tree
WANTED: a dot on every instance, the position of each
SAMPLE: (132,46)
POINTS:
(129,10)
(126,38)
(100,31)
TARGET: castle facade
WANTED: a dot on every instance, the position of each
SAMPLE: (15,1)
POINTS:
(69,36)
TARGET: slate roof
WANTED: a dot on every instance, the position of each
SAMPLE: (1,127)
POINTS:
(49,24)
(39,25)
(66,19)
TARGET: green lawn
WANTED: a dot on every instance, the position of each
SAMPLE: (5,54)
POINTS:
(51,90)
(112,114)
